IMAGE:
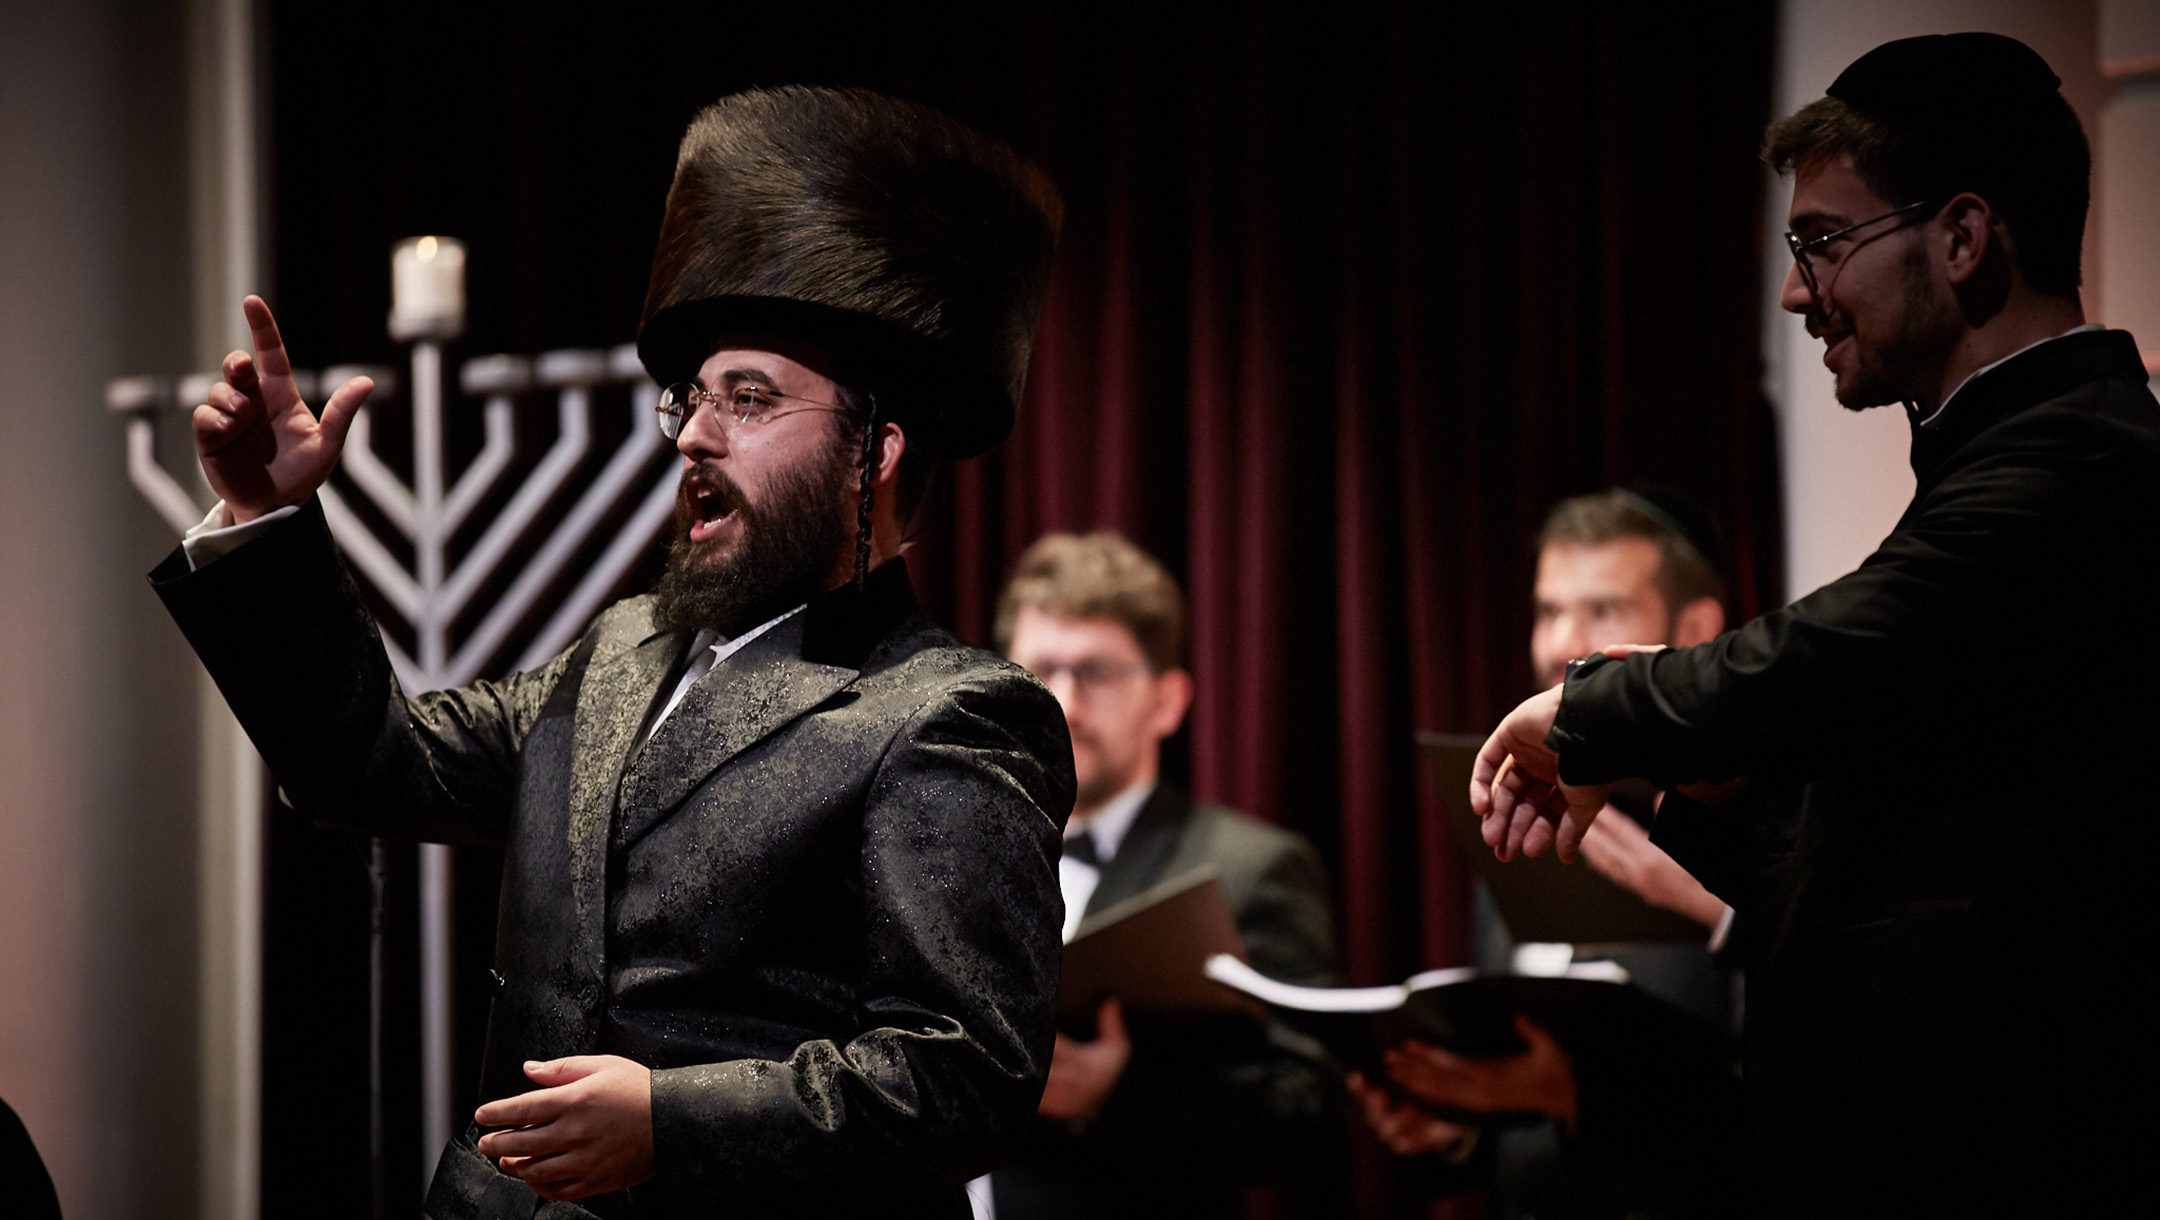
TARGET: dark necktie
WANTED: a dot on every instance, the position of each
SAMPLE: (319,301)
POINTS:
(1080,848)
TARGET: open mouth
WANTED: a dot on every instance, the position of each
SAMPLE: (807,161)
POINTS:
(1834,337)
(710,506)
(1834,345)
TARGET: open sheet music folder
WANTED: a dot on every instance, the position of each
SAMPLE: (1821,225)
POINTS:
(1151,952)
(1541,899)
(1474,1014)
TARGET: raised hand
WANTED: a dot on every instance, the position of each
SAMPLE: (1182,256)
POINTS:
(261,448)
(588,1132)
(1515,787)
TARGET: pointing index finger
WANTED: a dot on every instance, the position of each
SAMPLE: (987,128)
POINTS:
(269,345)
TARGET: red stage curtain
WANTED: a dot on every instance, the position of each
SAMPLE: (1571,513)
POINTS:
(1342,307)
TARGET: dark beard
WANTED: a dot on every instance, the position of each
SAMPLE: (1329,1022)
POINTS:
(786,549)
(1888,366)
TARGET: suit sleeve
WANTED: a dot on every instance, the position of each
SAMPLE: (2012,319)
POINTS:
(1286,925)
(958,874)
(1713,846)
(1954,608)
(282,631)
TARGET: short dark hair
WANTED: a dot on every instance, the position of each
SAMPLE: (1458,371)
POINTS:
(2031,164)
(1684,572)
(1099,575)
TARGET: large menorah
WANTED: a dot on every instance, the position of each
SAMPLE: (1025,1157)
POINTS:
(428,511)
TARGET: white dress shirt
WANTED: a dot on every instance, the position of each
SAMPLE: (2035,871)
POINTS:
(1107,827)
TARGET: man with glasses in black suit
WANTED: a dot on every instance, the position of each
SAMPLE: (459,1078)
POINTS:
(1944,848)
(1158,1116)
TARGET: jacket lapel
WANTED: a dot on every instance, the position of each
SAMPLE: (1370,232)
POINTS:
(744,699)
(1148,851)
(611,708)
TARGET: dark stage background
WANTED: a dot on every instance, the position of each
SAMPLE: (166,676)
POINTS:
(1347,297)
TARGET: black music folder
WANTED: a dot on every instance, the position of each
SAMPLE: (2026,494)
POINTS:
(1151,950)
(1541,899)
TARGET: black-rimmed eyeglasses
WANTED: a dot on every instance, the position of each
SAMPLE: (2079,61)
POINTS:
(745,405)
(1090,675)
(1802,251)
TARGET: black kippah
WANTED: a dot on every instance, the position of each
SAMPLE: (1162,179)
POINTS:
(1680,516)
(1938,76)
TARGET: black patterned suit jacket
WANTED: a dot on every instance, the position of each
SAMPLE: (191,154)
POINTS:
(820,901)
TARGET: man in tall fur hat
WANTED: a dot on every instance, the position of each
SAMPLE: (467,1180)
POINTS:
(779,927)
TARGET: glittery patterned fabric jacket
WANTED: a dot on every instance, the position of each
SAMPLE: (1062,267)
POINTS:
(820,902)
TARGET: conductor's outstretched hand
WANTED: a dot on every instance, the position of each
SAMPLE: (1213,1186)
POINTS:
(261,448)
(1515,787)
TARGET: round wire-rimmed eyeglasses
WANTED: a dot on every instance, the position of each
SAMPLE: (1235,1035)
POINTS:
(745,405)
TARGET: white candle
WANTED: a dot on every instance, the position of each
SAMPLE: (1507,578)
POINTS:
(427,288)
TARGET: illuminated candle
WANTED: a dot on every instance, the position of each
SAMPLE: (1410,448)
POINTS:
(427,288)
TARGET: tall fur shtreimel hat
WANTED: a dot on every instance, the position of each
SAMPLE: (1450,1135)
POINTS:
(913,248)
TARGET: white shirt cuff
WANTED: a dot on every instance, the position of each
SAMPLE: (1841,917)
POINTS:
(1723,930)
(216,536)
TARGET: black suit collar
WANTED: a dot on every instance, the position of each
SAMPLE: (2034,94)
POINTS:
(1150,844)
(2042,372)
(611,708)
(842,625)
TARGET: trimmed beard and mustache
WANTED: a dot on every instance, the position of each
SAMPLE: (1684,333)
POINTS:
(785,548)
(1884,367)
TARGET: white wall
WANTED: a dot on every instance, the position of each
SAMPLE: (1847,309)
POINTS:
(2126,194)
(98,1024)
(1846,475)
